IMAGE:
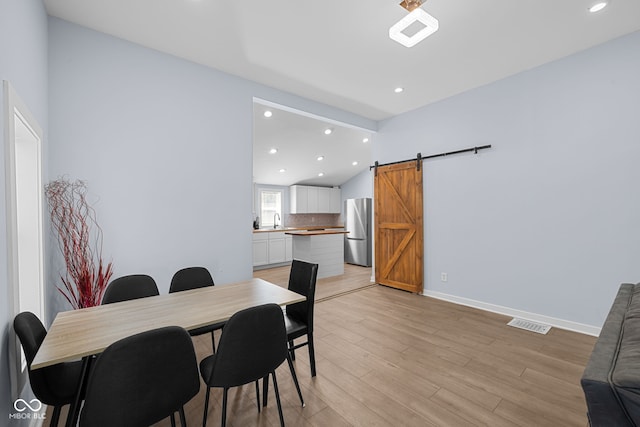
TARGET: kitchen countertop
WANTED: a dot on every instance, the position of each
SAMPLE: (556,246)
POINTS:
(315,232)
(313,227)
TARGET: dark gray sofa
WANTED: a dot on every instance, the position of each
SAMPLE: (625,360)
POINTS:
(611,379)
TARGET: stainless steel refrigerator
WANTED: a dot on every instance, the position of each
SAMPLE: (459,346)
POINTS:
(357,242)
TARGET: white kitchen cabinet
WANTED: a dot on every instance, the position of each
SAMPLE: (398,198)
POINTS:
(312,200)
(271,247)
(308,199)
(277,252)
(298,199)
(260,249)
(324,200)
(335,201)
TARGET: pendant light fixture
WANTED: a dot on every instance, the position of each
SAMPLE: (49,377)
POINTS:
(416,14)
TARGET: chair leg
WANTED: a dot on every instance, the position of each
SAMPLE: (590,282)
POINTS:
(275,389)
(224,407)
(183,418)
(295,378)
(55,416)
(173,420)
(74,408)
(258,395)
(265,389)
(213,341)
(291,350)
(312,354)
(206,407)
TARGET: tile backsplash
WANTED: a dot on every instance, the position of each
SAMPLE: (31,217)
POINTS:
(303,220)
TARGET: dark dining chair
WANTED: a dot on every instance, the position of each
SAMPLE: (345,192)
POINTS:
(54,385)
(130,287)
(299,316)
(142,379)
(194,278)
(253,344)
(298,319)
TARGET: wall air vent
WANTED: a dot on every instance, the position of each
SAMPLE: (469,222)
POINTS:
(528,325)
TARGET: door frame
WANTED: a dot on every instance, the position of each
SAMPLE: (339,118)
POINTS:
(16,109)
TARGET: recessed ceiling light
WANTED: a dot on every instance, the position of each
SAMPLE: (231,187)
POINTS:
(355,163)
(273,151)
(283,170)
(398,89)
(320,158)
(321,174)
(365,140)
(328,131)
(268,113)
(597,7)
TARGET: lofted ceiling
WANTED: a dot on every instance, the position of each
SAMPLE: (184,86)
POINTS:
(300,140)
(339,53)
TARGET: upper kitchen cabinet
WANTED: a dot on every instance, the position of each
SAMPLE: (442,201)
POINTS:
(308,199)
(298,199)
(335,200)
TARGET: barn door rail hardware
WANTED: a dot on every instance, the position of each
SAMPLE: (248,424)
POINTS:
(419,158)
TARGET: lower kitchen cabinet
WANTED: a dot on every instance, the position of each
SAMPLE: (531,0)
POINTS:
(260,249)
(276,248)
(271,247)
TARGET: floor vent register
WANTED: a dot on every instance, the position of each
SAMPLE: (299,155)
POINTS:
(528,325)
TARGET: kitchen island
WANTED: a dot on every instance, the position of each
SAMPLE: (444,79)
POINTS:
(322,247)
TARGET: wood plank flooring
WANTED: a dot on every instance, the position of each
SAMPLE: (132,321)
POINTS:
(355,277)
(390,358)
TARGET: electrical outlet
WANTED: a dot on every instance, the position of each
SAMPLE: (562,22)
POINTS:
(443,277)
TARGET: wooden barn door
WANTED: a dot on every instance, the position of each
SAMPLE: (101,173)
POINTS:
(398,226)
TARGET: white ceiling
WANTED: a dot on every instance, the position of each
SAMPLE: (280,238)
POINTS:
(338,52)
(300,140)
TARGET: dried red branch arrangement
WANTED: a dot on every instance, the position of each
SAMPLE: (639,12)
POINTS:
(80,240)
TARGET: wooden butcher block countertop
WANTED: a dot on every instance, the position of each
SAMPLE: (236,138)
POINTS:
(311,228)
(315,232)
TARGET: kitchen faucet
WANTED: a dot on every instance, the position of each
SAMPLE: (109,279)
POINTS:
(275,224)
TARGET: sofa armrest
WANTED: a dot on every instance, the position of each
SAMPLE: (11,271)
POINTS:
(603,403)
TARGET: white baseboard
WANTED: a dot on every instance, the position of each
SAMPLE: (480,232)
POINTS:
(558,323)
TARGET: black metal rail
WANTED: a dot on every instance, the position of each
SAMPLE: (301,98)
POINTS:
(419,158)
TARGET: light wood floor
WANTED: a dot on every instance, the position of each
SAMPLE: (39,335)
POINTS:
(390,358)
(354,277)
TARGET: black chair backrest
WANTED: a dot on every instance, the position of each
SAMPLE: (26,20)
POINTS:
(253,344)
(130,287)
(141,379)
(31,333)
(52,385)
(302,280)
(190,278)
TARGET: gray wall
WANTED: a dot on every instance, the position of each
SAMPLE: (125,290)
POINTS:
(23,62)
(359,186)
(547,220)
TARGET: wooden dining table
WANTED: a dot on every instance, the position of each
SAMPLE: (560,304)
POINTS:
(86,332)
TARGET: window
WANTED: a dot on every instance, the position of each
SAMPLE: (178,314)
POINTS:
(270,208)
